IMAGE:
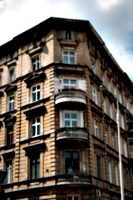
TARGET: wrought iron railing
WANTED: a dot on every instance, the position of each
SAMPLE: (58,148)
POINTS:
(76,134)
(75,178)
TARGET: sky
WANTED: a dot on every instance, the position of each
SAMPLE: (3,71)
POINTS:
(112,19)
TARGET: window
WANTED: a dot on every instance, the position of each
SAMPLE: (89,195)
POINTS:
(69,83)
(11,103)
(9,172)
(103,80)
(0,80)
(35,167)
(122,122)
(70,119)
(116,173)
(113,143)
(110,111)
(109,87)
(104,105)
(35,93)
(127,180)
(35,127)
(96,128)
(9,135)
(11,74)
(93,67)
(120,98)
(68,35)
(114,91)
(109,170)
(131,147)
(94,95)
(72,160)
(0,105)
(73,197)
(99,170)
(36,63)
(127,106)
(106,136)
(68,57)
(125,148)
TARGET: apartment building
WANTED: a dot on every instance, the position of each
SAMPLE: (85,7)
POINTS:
(58,130)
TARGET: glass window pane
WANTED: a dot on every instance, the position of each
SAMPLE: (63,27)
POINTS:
(67,123)
(73,82)
(38,95)
(73,116)
(38,87)
(71,53)
(74,123)
(33,96)
(66,81)
(67,154)
(38,129)
(38,119)
(67,116)
(69,198)
(65,53)
(75,155)
(72,60)
(76,198)
(65,60)
(33,130)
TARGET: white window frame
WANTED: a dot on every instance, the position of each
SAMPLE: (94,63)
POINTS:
(113,141)
(69,56)
(11,77)
(36,62)
(109,86)
(66,36)
(94,95)
(106,136)
(125,148)
(116,173)
(110,111)
(115,91)
(36,92)
(36,124)
(96,128)
(11,102)
(69,85)
(9,171)
(127,106)
(104,105)
(93,67)
(80,118)
(131,148)
(109,170)
(120,98)
(122,122)
(103,80)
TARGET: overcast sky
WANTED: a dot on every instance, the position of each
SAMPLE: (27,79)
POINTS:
(112,19)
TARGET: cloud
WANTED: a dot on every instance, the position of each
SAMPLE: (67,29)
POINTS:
(106,4)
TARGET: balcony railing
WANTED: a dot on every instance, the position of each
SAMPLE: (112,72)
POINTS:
(74,178)
(71,95)
(72,133)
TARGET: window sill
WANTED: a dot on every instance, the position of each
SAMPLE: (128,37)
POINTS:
(34,138)
(8,113)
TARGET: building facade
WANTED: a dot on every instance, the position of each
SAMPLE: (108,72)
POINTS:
(58,130)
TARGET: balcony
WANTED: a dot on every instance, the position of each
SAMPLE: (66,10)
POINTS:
(76,97)
(72,133)
(73,179)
